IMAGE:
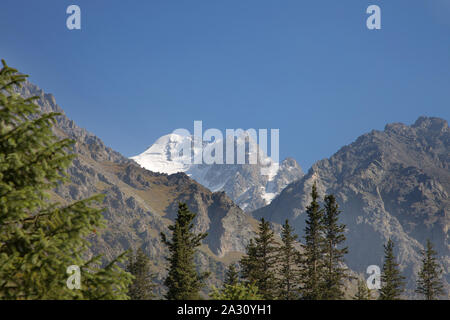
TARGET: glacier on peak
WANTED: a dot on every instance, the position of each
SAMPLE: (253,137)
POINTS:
(242,181)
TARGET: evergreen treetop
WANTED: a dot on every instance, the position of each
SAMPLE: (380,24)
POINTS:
(183,281)
(142,286)
(237,291)
(363,292)
(334,236)
(288,258)
(312,264)
(392,282)
(231,275)
(258,266)
(249,263)
(429,282)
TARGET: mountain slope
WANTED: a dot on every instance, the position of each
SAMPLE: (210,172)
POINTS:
(392,183)
(140,204)
(245,184)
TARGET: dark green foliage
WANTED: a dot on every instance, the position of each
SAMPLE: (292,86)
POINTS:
(39,240)
(258,266)
(363,292)
(429,283)
(322,263)
(334,273)
(392,284)
(107,283)
(249,263)
(234,289)
(183,281)
(312,265)
(231,276)
(288,260)
(237,291)
(142,286)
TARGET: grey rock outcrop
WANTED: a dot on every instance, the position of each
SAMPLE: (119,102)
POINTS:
(389,184)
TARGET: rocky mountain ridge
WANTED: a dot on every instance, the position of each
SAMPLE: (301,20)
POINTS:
(139,204)
(389,184)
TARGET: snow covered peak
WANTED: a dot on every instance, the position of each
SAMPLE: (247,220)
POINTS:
(250,185)
(163,156)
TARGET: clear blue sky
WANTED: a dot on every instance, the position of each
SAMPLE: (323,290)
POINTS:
(140,69)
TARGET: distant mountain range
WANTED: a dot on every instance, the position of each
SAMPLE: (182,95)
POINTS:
(243,183)
(389,184)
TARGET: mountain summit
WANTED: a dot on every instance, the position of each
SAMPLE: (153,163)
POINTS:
(389,184)
(246,184)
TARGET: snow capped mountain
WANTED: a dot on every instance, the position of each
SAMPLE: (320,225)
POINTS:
(251,186)
(163,156)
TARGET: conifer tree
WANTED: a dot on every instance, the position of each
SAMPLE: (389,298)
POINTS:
(183,281)
(231,275)
(40,239)
(334,272)
(392,282)
(237,291)
(142,286)
(258,267)
(288,259)
(234,289)
(429,283)
(249,263)
(363,292)
(312,265)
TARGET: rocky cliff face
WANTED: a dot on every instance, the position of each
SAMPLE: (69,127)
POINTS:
(140,204)
(248,185)
(389,184)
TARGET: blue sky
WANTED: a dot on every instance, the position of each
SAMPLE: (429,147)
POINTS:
(140,69)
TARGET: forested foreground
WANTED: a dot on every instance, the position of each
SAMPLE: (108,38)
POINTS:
(41,238)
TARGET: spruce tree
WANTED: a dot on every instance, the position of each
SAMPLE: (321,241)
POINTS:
(231,275)
(142,286)
(249,263)
(183,281)
(312,265)
(237,291)
(392,282)
(334,233)
(288,259)
(429,283)
(363,292)
(258,267)
(40,239)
